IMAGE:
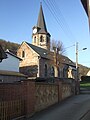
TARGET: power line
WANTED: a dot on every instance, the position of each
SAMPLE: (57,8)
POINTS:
(70,46)
(67,48)
(86,62)
(63,19)
(54,14)
(52,8)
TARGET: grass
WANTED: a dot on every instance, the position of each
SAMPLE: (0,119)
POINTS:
(85,85)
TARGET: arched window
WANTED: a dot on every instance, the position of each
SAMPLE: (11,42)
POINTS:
(45,70)
(52,71)
(63,72)
(41,38)
(47,39)
(35,39)
(58,72)
(23,54)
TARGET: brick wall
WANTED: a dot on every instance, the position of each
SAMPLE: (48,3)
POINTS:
(27,97)
(16,100)
(11,102)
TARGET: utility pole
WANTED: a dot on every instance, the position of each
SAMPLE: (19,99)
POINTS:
(77,82)
(77,59)
(76,55)
(77,70)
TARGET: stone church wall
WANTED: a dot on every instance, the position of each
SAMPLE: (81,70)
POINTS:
(30,58)
(29,64)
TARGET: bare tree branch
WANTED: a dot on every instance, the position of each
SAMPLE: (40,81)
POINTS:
(59,45)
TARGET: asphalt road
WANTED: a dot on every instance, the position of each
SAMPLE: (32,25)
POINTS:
(74,108)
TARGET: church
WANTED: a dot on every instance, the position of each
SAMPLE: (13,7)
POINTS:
(37,58)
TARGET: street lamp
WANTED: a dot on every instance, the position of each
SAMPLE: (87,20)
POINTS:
(84,48)
(77,77)
(77,54)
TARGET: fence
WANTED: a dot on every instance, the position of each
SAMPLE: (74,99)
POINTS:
(27,97)
(46,95)
(11,109)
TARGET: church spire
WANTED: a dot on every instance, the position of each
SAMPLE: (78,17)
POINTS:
(41,36)
(41,21)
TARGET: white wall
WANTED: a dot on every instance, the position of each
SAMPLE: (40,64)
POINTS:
(88,74)
(10,64)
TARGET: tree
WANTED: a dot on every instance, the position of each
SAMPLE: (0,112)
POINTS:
(9,45)
(58,45)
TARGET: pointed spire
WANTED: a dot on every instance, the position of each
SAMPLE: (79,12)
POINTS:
(41,21)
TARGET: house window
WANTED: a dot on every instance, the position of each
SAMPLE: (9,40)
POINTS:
(41,38)
(23,54)
(35,39)
(52,71)
(45,70)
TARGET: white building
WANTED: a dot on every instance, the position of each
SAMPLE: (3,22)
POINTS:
(9,69)
(11,63)
(88,74)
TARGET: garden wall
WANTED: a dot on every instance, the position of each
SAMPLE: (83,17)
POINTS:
(22,99)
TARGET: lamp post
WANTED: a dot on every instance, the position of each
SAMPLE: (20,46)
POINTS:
(77,77)
(77,54)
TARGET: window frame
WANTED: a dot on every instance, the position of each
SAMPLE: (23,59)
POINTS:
(23,54)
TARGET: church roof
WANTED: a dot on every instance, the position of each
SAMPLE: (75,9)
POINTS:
(41,21)
(49,55)
(66,60)
(42,52)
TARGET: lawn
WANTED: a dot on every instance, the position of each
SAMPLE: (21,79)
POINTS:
(85,85)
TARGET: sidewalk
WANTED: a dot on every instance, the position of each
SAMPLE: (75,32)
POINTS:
(74,108)
(85,90)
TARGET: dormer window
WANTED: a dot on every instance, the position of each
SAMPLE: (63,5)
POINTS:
(23,54)
(41,38)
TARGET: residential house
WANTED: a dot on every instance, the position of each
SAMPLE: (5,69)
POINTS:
(9,68)
(38,60)
(88,74)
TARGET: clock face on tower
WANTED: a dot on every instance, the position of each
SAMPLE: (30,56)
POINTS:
(34,30)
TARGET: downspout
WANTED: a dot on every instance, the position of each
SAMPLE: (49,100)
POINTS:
(38,74)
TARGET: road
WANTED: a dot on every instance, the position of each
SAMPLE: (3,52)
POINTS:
(74,108)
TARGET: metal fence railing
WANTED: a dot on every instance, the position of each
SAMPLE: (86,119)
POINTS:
(11,109)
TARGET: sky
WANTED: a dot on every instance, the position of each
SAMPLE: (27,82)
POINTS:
(66,21)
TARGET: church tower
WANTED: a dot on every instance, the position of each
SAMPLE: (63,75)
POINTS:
(40,35)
